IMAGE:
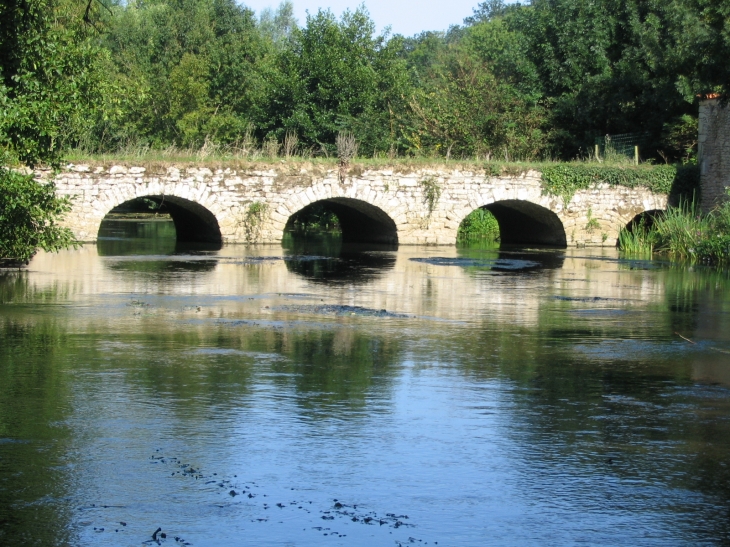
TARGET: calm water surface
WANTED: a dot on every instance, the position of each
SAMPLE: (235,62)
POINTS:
(319,394)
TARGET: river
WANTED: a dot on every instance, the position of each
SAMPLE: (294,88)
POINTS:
(321,394)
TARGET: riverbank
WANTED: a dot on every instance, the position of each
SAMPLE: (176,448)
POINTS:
(682,233)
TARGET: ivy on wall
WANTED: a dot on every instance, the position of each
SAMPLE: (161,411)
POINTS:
(564,180)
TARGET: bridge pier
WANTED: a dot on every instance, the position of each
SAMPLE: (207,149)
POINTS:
(714,152)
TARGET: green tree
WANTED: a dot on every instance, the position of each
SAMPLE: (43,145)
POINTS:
(29,214)
(190,70)
(467,111)
(278,25)
(49,86)
(49,79)
(607,66)
(336,76)
(699,45)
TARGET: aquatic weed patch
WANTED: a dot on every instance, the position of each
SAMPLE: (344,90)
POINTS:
(337,310)
(509,264)
(587,299)
(258,504)
(684,233)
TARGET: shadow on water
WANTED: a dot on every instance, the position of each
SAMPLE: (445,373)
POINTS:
(325,258)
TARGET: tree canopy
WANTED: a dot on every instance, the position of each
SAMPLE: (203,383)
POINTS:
(515,81)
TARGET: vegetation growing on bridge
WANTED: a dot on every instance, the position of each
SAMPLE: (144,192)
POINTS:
(565,179)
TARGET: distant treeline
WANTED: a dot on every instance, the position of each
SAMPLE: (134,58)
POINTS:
(533,81)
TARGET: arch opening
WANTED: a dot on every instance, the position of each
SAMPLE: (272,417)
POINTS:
(525,223)
(356,221)
(478,229)
(193,223)
(644,220)
(635,236)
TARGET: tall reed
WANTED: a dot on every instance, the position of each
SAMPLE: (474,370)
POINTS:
(683,233)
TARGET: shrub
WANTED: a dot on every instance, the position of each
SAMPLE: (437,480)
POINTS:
(479,224)
(29,211)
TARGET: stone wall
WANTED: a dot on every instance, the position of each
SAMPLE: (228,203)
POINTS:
(714,152)
(254,205)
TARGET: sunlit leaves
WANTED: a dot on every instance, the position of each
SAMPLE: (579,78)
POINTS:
(29,212)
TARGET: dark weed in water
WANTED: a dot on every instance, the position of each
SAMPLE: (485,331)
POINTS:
(232,487)
(331,309)
(498,264)
(586,299)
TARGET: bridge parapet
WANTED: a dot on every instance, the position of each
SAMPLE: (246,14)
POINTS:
(424,206)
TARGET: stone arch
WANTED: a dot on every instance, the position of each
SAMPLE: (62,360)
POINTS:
(193,222)
(360,221)
(647,217)
(524,222)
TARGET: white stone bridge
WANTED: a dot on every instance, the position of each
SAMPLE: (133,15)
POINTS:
(425,206)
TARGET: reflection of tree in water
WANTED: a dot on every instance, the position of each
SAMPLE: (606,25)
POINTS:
(125,238)
(203,368)
(145,237)
(326,258)
(337,367)
(169,266)
(15,288)
(597,398)
(136,237)
(33,396)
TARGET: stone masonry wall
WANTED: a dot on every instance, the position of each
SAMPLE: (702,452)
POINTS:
(593,217)
(714,152)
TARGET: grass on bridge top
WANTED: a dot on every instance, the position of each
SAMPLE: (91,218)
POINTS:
(256,159)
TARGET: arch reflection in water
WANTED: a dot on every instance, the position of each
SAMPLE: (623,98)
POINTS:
(327,258)
(153,243)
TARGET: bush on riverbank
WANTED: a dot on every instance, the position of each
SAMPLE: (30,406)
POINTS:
(683,233)
(29,211)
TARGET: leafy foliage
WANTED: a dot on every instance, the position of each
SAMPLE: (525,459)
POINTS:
(479,224)
(683,232)
(50,83)
(516,81)
(314,219)
(49,79)
(338,76)
(466,111)
(565,179)
(431,193)
(29,212)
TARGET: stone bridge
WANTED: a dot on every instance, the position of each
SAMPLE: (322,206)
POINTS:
(423,206)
